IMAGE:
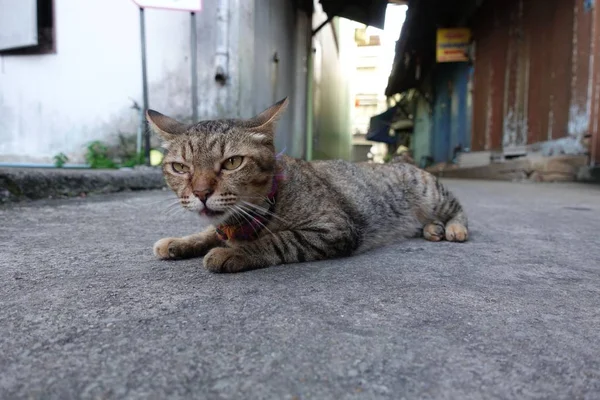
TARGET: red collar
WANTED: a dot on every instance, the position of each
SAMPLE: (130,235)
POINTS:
(250,230)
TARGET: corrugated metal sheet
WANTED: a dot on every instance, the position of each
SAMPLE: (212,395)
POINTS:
(523,69)
(594,85)
(580,77)
(491,45)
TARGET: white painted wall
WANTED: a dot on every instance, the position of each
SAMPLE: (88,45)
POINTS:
(59,102)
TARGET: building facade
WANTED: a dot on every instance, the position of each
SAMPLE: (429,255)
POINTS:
(83,82)
(529,84)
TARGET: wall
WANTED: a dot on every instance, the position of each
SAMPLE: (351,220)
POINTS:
(421,141)
(451,111)
(332,65)
(59,102)
(278,59)
(533,63)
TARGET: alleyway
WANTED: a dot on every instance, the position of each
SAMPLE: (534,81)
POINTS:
(87,312)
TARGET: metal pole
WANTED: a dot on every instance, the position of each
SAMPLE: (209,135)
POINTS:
(308,155)
(194,55)
(144,85)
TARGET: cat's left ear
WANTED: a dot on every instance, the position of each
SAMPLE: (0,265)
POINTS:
(264,123)
(166,127)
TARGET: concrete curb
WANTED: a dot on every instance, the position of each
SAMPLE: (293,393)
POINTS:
(17,184)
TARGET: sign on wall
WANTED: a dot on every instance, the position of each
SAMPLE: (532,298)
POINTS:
(453,44)
(181,5)
(18,24)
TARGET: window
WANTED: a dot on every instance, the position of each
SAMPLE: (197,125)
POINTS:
(27,27)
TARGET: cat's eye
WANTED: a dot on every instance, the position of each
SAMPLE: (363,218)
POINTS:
(233,163)
(180,168)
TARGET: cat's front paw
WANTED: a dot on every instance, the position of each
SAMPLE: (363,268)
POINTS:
(176,249)
(161,249)
(224,259)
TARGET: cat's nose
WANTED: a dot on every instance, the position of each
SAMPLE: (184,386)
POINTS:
(203,194)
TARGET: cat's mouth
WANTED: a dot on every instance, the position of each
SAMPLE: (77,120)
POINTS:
(211,213)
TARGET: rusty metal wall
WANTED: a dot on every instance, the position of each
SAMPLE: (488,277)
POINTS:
(594,88)
(580,79)
(491,43)
(525,61)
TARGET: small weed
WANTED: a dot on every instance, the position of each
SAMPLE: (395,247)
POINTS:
(133,160)
(97,156)
(60,160)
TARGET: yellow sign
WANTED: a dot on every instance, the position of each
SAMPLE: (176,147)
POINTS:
(453,44)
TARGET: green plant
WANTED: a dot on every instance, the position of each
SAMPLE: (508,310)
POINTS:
(60,160)
(97,156)
(134,159)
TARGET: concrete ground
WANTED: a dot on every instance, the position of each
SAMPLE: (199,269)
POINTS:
(87,312)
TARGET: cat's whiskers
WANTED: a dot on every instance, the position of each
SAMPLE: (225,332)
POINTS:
(175,208)
(174,211)
(264,211)
(246,211)
(234,214)
(245,218)
(135,203)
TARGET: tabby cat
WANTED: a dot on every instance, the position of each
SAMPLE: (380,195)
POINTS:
(269,209)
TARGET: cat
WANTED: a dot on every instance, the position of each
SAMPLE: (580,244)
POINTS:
(270,209)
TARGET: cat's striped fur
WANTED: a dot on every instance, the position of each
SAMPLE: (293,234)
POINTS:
(322,210)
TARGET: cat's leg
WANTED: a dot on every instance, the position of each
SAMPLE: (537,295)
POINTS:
(449,210)
(195,245)
(444,216)
(456,228)
(283,247)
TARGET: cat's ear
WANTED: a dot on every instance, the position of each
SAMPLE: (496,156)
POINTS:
(165,127)
(264,123)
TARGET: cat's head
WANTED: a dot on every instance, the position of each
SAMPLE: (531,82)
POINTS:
(217,166)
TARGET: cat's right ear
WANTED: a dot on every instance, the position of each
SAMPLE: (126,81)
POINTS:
(167,128)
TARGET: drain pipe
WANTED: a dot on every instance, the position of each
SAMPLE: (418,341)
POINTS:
(141,125)
(222,57)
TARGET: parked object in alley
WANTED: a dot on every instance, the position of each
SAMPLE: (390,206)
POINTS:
(403,155)
(535,168)
(269,209)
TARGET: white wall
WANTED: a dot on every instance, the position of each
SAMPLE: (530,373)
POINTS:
(58,102)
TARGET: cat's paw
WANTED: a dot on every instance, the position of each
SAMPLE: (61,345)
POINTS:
(224,259)
(456,232)
(162,249)
(434,232)
(174,248)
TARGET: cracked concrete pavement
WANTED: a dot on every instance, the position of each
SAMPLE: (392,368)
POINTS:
(87,312)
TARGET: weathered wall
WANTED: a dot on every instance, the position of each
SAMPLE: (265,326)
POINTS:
(532,72)
(59,102)
(421,141)
(594,86)
(278,58)
(333,63)
(451,110)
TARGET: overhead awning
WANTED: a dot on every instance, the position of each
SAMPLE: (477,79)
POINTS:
(368,12)
(415,49)
(381,126)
